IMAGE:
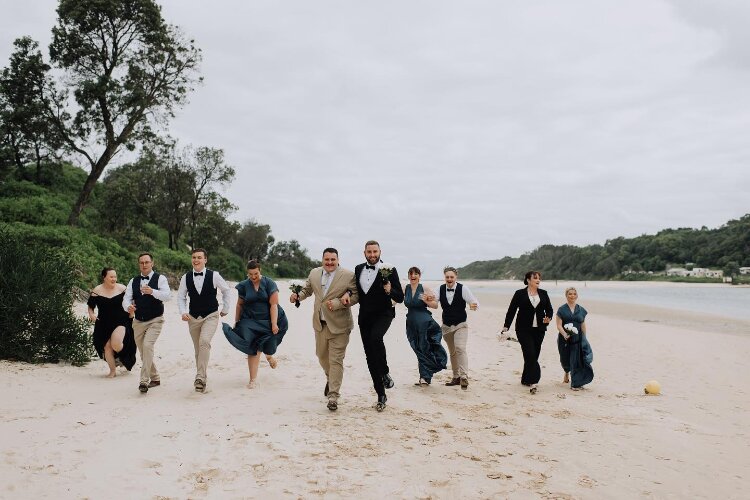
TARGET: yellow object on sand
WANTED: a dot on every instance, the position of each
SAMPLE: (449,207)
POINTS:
(652,387)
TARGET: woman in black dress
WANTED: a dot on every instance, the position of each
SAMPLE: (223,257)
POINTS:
(534,314)
(113,331)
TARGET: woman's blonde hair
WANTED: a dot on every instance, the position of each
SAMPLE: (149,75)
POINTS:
(569,289)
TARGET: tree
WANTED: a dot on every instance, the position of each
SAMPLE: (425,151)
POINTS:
(207,169)
(253,240)
(290,260)
(125,68)
(27,135)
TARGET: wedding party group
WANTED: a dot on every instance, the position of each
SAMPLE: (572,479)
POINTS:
(128,320)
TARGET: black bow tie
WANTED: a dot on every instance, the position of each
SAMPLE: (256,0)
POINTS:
(450,290)
(144,277)
(368,266)
(198,274)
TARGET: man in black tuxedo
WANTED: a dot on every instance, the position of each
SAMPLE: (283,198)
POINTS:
(376,312)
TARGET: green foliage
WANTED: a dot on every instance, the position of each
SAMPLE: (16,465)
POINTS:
(120,67)
(726,248)
(288,259)
(38,325)
(88,252)
(230,265)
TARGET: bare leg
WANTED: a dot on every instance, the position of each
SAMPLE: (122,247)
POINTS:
(566,378)
(116,340)
(109,356)
(253,362)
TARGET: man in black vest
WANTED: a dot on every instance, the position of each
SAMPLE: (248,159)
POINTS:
(145,297)
(453,299)
(202,314)
(376,312)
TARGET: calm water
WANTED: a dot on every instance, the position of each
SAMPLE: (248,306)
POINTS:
(724,300)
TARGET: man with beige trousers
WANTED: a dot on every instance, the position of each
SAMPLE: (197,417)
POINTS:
(335,292)
(144,297)
(201,311)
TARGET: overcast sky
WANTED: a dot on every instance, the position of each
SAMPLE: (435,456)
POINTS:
(460,131)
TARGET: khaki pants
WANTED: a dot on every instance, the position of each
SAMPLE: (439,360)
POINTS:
(146,333)
(202,330)
(456,336)
(331,349)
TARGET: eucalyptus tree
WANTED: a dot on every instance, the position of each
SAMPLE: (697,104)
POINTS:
(121,69)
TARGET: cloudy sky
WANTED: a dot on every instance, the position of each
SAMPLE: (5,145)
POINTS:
(459,131)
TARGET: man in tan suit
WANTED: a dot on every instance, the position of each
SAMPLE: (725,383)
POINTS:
(335,292)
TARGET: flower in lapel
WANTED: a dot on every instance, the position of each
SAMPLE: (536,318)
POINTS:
(296,287)
(386,270)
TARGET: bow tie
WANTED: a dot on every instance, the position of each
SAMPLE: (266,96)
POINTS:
(144,277)
(198,274)
(450,290)
(368,266)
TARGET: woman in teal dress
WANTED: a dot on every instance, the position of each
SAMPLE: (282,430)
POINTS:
(422,331)
(260,322)
(574,348)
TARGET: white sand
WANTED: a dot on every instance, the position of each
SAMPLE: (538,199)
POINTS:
(69,433)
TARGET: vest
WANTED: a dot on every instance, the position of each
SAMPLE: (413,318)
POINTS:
(204,303)
(147,307)
(455,313)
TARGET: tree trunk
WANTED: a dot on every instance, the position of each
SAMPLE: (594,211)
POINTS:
(88,186)
(83,198)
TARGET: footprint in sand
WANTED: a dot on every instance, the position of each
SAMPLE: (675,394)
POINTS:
(586,482)
(201,479)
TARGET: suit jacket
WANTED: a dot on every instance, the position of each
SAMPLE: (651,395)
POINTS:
(526,311)
(376,301)
(340,319)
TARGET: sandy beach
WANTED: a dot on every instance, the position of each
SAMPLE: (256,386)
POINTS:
(68,432)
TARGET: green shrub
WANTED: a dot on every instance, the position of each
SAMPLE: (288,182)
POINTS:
(37,323)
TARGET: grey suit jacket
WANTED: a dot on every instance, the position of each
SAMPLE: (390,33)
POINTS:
(340,319)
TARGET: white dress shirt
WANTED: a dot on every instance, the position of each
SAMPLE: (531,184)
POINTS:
(162,293)
(367,277)
(219,282)
(465,294)
(325,283)
(534,299)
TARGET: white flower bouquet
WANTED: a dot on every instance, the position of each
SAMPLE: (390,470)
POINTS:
(296,286)
(570,329)
(385,271)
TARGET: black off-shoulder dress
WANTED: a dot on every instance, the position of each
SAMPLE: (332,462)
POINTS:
(110,315)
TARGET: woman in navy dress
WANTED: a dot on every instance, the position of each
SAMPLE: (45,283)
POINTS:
(113,330)
(260,322)
(575,351)
(422,331)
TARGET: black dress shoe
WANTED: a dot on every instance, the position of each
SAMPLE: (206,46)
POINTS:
(454,381)
(143,388)
(387,381)
(380,406)
(325,391)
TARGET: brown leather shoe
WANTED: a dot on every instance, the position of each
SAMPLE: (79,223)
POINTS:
(154,383)
(464,383)
(332,405)
(454,381)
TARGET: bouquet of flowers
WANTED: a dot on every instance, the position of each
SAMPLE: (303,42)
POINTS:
(570,329)
(296,287)
(386,270)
